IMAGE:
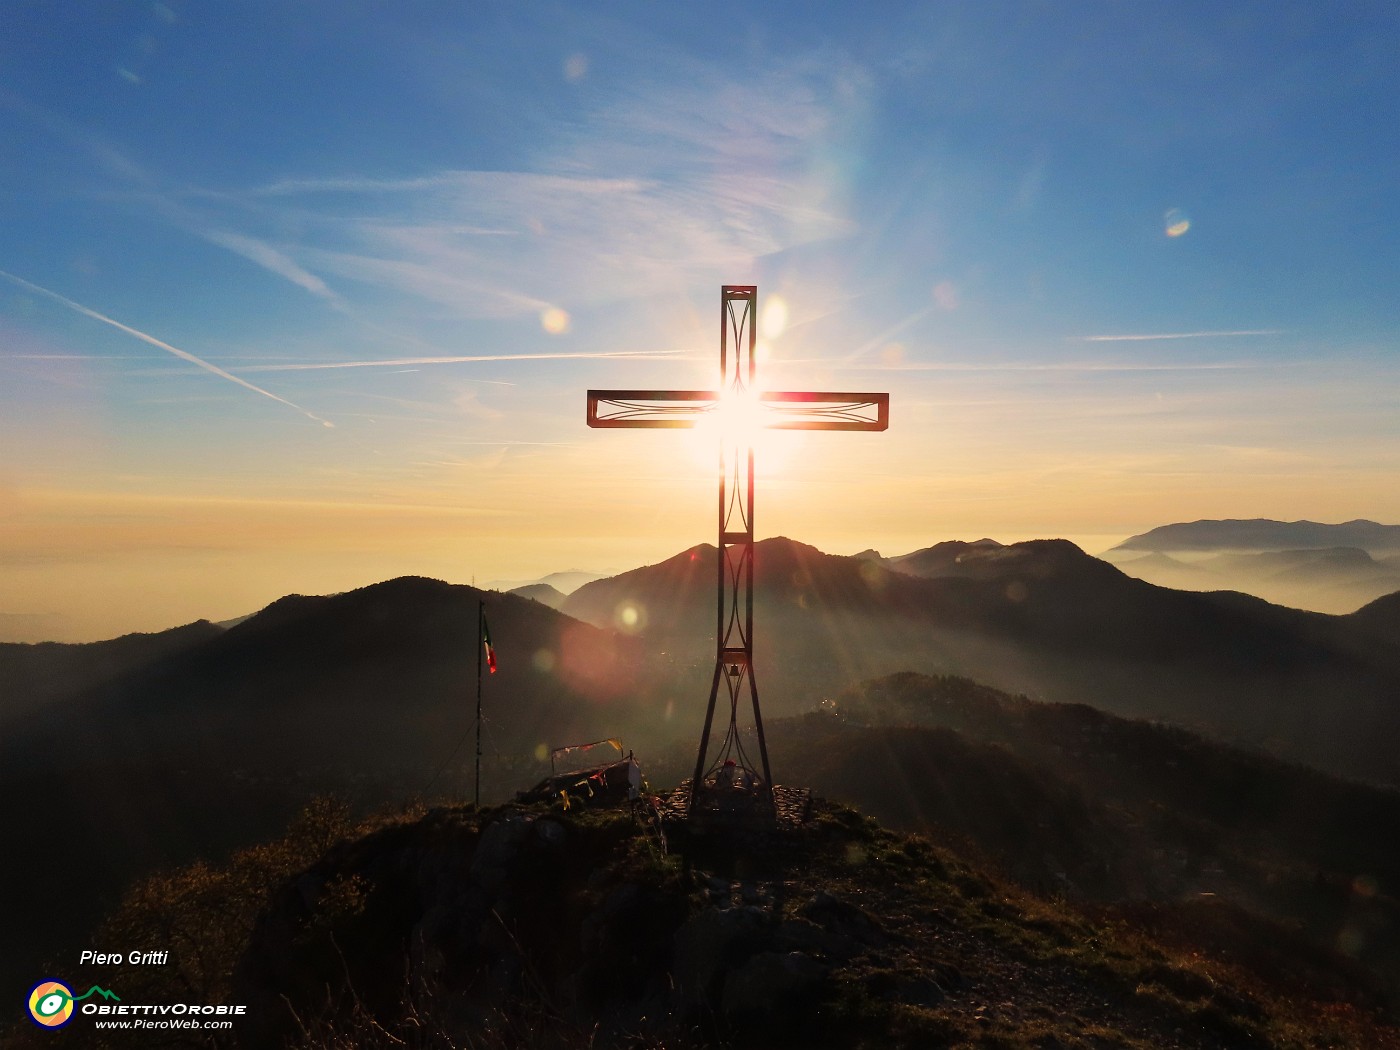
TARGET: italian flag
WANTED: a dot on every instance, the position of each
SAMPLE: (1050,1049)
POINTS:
(486,640)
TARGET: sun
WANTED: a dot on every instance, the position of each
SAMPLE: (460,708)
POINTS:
(738,417)
(741,420)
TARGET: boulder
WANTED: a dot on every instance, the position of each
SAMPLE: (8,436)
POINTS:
(711,943)
(773,988)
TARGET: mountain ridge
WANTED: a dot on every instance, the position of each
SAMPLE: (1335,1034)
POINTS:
(1265,534)
(1304,564)
(1041,617)
(360,693)
(364,692)
(35,673)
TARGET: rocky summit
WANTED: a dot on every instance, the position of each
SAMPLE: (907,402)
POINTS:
(538,927)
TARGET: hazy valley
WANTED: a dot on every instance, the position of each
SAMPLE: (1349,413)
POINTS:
(1303,564)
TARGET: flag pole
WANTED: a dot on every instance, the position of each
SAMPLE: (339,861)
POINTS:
(480,644)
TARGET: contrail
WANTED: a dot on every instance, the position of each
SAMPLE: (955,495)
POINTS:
(183,355)
(403,361)
(1174,335)
(1057,366)
(889,333)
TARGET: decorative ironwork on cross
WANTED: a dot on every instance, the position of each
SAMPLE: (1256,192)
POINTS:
(740,405)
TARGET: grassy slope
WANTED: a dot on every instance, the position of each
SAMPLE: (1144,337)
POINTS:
(902,944)
(1071,802)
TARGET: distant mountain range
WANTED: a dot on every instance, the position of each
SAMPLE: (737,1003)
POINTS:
(1326,568)
(1264,534)
(542,593)
(1043,618)
(151,750)
(565,582)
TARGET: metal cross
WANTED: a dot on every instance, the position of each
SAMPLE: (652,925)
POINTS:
(783,410)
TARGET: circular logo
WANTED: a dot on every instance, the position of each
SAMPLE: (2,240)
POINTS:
(51,1004)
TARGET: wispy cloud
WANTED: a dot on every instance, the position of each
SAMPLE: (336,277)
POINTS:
(69,357)
(449,181)
(889,333)
(159,344)
(1056,366)
(668,184)
(270,258)
(399,362)
(108,157)
(1147,337)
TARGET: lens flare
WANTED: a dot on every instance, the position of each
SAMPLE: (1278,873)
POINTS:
(554,320)
(630,616)
(872,575)
(775,317)
(575,68)
(1176,222)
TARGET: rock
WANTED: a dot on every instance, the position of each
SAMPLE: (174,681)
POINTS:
(710,943)
(803,935)
(844,918)
(551,832)
(773,987)
(919,991)
(597,924)
(497,849)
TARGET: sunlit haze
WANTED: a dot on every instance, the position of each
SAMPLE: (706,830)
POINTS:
(299,297)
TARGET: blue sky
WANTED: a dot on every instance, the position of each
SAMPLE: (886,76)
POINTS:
(298,296)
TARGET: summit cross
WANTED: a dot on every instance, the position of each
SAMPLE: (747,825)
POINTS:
(739,404)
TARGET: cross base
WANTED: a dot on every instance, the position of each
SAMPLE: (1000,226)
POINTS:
(789,809)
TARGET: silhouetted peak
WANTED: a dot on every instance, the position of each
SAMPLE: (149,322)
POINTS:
(194,630)
(405,588)
(787,545)
(686,563)
(1265,534)
(779,552)
(1381,616)
(540,592)
(1039,558)
(398,597)
(986,559)
(284,610)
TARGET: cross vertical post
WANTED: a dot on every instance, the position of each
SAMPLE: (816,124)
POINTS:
(734,614)
(732,775)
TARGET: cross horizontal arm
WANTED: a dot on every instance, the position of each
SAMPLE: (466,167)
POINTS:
(670,409)
(786,409)
(826,410)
